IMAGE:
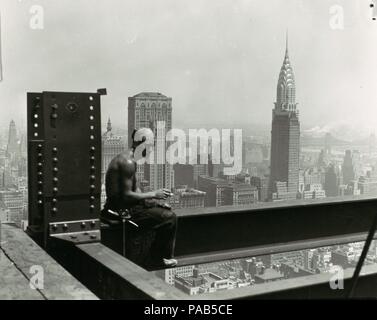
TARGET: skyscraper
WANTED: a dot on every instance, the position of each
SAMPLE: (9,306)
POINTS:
(148,110)
(331,182)
(112,145)
(285,136)
(13,147)
(351,166)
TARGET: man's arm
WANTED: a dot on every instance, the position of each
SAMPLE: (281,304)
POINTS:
(138,195)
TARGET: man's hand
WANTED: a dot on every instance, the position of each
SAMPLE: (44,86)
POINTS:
(162,194)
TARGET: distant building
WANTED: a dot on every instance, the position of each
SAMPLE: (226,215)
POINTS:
(214,189)
(331,185)
(112,145)
(261,183)
(169,275)
(203,283)
(293,271)
(268,275)
(292,257)
(199,170)
(281,192)
(146,110)
(189,197)
(323,158)
(314,175)
(285,137)
(368,184)
(351,166)
(184,175)
(240,194)
(314,191)
(346,256)
(13,147)
(14,202)
(321,258)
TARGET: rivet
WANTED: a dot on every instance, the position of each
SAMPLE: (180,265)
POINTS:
(93,236)
(65,226)
(93,223)
(55,149)
(54,210)
(54,116)
(55,159)
(54,227)
(83,225)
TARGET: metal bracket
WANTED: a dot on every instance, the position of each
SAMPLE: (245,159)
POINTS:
(81,231)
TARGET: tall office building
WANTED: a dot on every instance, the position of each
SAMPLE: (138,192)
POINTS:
(112,145)
(351,167)
(285,136)
(13,147)
(147,110)
(331,185)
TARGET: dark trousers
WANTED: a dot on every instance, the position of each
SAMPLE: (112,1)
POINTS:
(164,224)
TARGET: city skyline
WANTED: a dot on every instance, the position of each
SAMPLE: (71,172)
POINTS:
(165,149)
(234,55)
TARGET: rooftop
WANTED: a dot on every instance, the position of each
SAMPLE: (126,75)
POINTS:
(150,95)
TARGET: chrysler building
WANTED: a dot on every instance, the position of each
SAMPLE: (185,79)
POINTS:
(285,136)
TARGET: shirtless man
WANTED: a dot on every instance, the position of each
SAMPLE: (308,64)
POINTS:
(122,193)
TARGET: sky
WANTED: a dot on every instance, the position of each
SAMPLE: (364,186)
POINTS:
(218,60)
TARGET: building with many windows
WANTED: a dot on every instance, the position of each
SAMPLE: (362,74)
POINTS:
(285,136)
(153,110)
(112,145)
(188,197)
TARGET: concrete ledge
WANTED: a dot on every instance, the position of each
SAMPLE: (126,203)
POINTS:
(18,253)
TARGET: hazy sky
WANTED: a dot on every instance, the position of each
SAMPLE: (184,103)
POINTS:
(218,60)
